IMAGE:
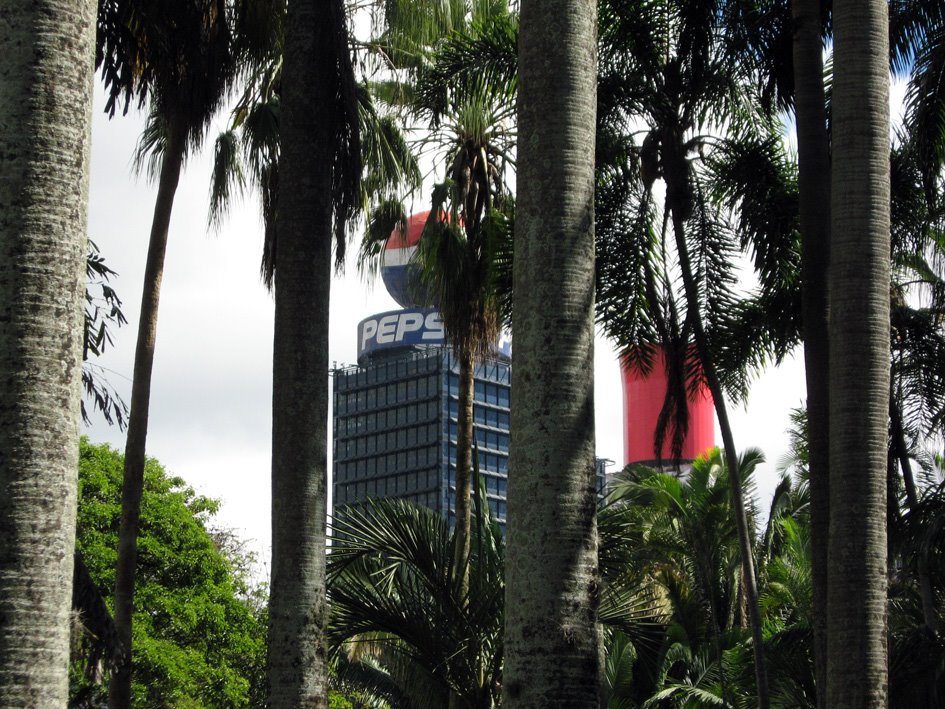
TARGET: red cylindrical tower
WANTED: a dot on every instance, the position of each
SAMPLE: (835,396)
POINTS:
(643,396)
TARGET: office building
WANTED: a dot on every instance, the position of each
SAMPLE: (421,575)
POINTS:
(395,412)
(395,427)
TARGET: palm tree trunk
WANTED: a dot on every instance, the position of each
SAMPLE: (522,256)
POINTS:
(552,639)
(46,114)
(927,594)
(902,450)
(297,607)
(119,689)
(859,357)
(464,434)
(731,461)
(814,207)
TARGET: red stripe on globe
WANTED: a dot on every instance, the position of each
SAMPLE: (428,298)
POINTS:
(398,268)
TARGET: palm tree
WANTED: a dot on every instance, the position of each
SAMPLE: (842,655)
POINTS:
(397,594)
(699,117)
(680,534)
(44,172)
(859,357)
(456,270)
(814,210)
(551,638)
(178,55)
(364,155)
(469,223)
(319,168)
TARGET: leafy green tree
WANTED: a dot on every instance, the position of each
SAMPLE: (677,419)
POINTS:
(45,111)
(199,624)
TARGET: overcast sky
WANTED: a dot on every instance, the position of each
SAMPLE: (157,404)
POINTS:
(210,404)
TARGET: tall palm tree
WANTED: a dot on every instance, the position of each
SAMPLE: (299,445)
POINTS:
(785,43)
(859,357)
(45,108)
(319,168)
(178,56)
(456,270)
(814,209)
(364,155)
(699,114)
(552,640)
(469,118)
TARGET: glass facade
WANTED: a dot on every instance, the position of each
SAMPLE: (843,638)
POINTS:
(395,429)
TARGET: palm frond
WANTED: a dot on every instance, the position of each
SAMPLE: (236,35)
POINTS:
(498,227)
(393,582)
(152,145)
(390,166)
(226,179)
(480,62)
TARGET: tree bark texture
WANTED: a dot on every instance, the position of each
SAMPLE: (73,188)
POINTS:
(464,438)
(119,688)
(297,606)
(814,207)
(45,134)
(552,640)
(859,357)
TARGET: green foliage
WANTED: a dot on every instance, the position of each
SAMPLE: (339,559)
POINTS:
(199,626)
(397,596)
(102,314)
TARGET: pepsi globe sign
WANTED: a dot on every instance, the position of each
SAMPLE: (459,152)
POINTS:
(418,324)
(398,267)
(400,328)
